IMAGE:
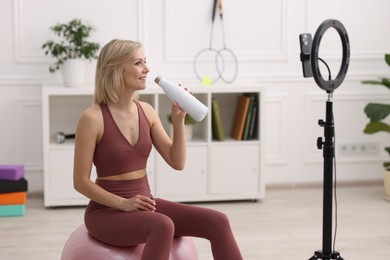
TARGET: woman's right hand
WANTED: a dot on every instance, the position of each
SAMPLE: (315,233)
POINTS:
(139,203)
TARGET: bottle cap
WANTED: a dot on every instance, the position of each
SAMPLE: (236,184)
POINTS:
(157,79)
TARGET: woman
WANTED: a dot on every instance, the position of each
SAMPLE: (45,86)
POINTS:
(116,134)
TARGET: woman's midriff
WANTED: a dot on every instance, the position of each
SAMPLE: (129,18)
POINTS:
(126,176)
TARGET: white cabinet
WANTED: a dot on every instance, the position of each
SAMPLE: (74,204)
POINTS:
(187,184)
(61,110)
(61,175)
(235,170)
(215,170)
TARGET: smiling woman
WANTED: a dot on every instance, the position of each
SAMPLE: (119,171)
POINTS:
(116,134)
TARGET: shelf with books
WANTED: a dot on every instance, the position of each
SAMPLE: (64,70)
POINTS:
(215,160)
(235,116)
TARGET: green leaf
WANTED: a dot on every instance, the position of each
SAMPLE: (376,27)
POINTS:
(375,127)
(372,82)
(386,82)
(383,81)
(387,59)
(377,112)
(386,165)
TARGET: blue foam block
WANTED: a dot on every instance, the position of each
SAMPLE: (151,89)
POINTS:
(12,210)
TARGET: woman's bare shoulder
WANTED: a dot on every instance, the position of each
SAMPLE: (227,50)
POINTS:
(148,108)
(91,114)
(149,111)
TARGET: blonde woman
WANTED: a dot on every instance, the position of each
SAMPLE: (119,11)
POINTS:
(116,134)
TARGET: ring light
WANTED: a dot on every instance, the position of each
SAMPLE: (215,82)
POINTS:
(332,84)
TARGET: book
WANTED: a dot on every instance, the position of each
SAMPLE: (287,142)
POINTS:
(217,126)
(240,117)
(254,121)
(248,116)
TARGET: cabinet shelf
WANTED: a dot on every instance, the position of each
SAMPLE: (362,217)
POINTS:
(231,141)
(215,170)
(66,145)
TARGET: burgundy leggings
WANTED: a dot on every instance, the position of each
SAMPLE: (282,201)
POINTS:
(157,229)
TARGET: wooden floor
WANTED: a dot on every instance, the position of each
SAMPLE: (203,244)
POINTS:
(286,225)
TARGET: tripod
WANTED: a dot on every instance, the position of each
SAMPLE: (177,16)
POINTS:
(310,58)
(328,153)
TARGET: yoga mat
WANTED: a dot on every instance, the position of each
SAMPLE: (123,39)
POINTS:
(13,186)
(13,198)
(12,210)
(11,172)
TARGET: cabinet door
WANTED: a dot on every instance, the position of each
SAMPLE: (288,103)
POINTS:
(61,178)
(234,169)
(186,184)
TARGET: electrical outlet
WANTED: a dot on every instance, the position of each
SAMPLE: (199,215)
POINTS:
(358,148)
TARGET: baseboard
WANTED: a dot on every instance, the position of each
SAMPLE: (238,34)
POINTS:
(358,183)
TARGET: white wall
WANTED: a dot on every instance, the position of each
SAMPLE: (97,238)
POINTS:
(263,34)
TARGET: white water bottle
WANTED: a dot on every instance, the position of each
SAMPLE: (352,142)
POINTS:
(185,100)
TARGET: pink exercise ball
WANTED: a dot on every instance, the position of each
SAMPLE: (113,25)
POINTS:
(81,246)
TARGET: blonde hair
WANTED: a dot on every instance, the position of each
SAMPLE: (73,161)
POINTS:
(109,80)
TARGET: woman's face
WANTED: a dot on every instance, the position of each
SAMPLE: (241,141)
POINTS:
(135,71)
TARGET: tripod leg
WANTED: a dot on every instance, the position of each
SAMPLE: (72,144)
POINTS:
(336,255)
(317,255)
(333,256)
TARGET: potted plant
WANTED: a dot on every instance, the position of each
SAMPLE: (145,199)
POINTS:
(377,113)
(188,122)
(71,49)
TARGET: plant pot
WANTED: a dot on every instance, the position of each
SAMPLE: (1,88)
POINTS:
(386,181)
(188,129)
(73,72)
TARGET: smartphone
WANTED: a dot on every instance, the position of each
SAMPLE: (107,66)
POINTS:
(305,41)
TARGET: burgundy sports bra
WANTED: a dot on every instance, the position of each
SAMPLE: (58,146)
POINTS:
(114,154)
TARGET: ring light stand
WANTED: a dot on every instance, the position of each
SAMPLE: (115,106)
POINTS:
(309,58)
